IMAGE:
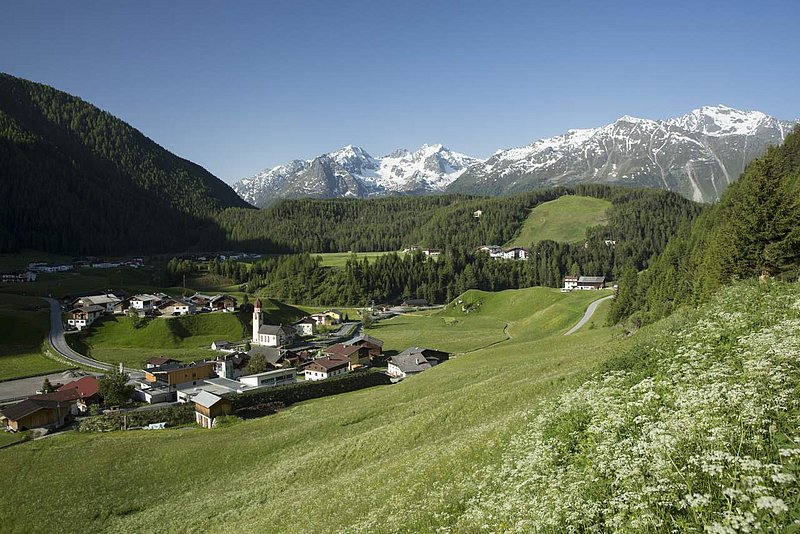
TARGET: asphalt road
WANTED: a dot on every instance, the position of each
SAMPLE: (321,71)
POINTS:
(56,337)
(588,315)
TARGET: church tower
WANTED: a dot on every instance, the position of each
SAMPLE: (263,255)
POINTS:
(257,320)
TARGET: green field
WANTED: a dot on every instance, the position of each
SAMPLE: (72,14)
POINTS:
(564,219)
(339,259)
(24,323)
(114,339)
(479,318)
(399,448)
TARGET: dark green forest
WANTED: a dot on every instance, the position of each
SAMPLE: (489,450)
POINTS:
(75,179)
(753,231)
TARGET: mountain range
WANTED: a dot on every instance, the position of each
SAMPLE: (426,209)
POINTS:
(353,172)
(697,155)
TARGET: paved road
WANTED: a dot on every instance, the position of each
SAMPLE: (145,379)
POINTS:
(588,315)
(56,337)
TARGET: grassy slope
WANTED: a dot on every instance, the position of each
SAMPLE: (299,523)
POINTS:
(384,449)
(24,323)
(113,339)
(338,259)
(564,219)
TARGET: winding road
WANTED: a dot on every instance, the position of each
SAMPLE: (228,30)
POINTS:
(588,315)
(59,343)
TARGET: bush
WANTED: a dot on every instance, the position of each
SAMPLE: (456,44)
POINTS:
(173,416)
(303,391)
(224,421)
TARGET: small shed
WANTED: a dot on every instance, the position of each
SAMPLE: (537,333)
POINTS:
(208,407)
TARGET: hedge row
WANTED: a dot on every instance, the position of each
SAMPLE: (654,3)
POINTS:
(172,415)
(307,390)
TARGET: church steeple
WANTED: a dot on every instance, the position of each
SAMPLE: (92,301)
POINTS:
(257,319)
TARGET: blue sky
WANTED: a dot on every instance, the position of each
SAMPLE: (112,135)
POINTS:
(239,87)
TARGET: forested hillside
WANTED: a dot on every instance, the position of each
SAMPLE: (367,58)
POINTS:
(76,179)
(342,225)
(753,231)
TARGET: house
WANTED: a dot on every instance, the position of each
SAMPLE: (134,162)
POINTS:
(432,252)
(477,214)
(307,326)
(175,306)
(591,282)
(222,345)
(276,357)
(222,303)
(106,300)
(494,251)
(373,345)
(323,368)
(172,375)
(610,242)
(157,361)
(515,253)
(87,390)
(322,319)
(336,315)
(145,302)
(354,355)
(121,307)
(208,407)
(570,282)
(231,365)
(278,377)
(415,360)
(18,276)
(38,411)
(81,318)
(414,303)
(201,301)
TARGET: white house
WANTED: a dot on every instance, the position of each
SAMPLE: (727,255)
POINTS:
(306,326)
(278,377)
(106,300)
(145,302)
(515,253)
(173,306)
(323,368)
(18,276)
(591,282)
(414,360)
(82,317)
(570,282)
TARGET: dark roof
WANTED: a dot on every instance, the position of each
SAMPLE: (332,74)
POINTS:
(271,329)
(360,340)
(257,303)
(17,411)
(221,342)
(342,351)
(307,320)
(591,279)
(271,354)
(88,309)
(329,364)
(158,360)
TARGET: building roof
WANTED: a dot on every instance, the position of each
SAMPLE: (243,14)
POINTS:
(158,360)
(329,364)
(88,309)
(101,299)
(365,340)
(342,351)
(257,303)
(306,320)
(271,329)
(17,411)
(271,354)
(221,297)
(88,386)
(221,343)
(206,399)
(591,279)
(411,362)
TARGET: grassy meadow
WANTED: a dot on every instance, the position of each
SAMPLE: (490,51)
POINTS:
(564,219)
(399,448)
(114,339)
(339,259)
(24,323)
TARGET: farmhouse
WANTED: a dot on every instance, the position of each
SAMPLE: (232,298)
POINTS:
(87,390)
(591,282)
(222,303)
(157,361)
(231,365)
(415,360)
(174,374)
(38,411)
(325,368)
(570,282)
(307,326)
(372,344)
(323,319)
(106,300)
(354,355)
(145,302)
(201,301)
(208,407)
(175,306)
(80,318)
(515,253)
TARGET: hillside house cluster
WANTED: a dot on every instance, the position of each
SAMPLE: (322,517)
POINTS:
(52,410)
(583,283)
(428,252)
(415,360)
(19,275)
(500,253)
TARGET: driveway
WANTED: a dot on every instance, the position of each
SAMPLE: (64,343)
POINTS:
(588,315)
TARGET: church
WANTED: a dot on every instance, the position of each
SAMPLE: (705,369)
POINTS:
(267,334)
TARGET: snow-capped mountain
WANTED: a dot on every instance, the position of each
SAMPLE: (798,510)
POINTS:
(353,172)
(696,155)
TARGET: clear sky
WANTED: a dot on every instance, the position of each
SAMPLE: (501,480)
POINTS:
(239,86)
